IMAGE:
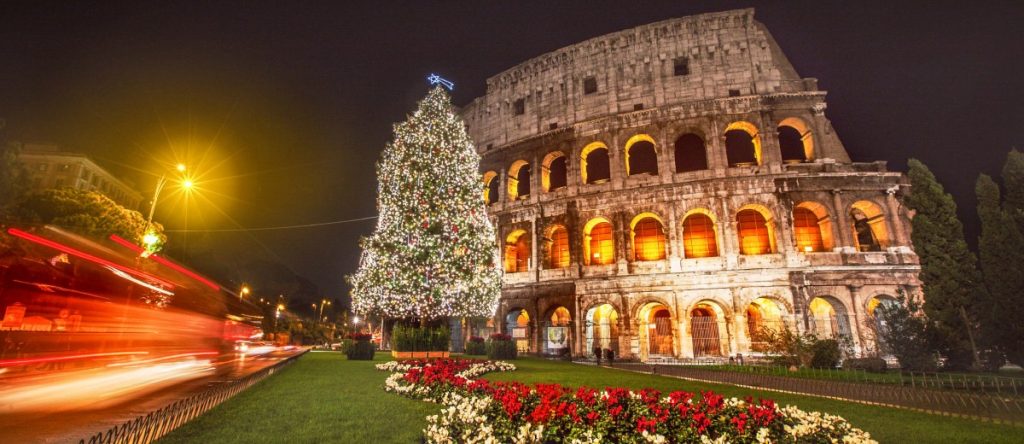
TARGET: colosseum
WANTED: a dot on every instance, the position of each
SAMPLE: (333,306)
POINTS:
(674,191)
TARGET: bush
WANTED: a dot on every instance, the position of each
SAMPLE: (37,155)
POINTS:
(825,353)
(417,339)
(501,348)
(874,365)
(476,346)
(346,345)
(360,351)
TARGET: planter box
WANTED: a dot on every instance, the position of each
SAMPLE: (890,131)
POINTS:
(419,354)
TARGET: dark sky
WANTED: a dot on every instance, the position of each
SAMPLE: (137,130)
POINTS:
(282,108)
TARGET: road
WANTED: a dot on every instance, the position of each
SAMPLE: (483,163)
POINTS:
(82,421)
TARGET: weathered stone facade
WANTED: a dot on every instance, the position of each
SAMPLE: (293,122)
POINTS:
(765,224)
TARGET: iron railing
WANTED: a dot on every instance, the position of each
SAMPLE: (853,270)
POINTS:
(1001,401)
(156,424)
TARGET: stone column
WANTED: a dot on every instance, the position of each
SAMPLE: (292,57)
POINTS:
(845,241)
(856,318)
(895,217)
(675,240)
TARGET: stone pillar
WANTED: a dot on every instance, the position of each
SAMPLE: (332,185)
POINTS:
(675,240)
(771,154)
(895,219)
(856,319)
(534,267)
(845,241)
(623,249)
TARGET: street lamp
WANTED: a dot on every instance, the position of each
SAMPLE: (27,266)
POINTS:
(244,292)
(323,302)
(150,238)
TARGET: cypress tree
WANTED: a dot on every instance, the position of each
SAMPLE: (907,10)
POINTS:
(1013,180)
(949,275)
(1001,253)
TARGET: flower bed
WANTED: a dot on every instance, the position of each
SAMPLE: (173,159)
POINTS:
(479,411)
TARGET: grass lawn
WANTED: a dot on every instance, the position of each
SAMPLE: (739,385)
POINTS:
(957,381)
(325,398)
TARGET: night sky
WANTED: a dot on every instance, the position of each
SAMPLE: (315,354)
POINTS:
(282,108)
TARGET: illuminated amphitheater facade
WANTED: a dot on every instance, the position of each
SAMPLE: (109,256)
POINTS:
(674,190)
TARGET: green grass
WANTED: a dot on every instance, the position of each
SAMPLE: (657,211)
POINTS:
(326,398)
(321,398)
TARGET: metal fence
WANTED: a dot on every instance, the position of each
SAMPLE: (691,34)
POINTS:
(156,424)
(921,393)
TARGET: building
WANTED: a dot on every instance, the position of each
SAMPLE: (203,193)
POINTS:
(52,168)
(674,190)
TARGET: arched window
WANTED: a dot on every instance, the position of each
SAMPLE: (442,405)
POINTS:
(558,253)
(807,231)
(648,240)
(792,145)
(519,180)
(869,231)
(517,252)
(795,140)
(742,146)
(699,239)
(599,243)
(691,155)
(595,167)
(491,187)
(554,170)
(640,156)
(560,316)
(752,229)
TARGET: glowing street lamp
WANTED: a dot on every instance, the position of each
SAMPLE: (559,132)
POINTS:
(244,292)
(149,238)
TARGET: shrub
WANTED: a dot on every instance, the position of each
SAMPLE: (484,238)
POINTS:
(476,346)
(420,339)
(346,345)
(875,365)
(360,351)
(825,353)
(502,347)
(906,334)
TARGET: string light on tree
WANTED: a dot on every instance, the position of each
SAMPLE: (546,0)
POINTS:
(433,253)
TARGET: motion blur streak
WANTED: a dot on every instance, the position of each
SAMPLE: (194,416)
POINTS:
(92,389)
(89,325)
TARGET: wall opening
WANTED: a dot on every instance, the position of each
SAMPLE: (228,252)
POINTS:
(753,233)
(648,239)
(517,252)
(640,156)
(595,166)
(699,236)
(598,242)
(691,153)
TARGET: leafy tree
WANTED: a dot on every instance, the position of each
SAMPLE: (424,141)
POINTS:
(13,177)
(1001,250)
(949,274)
(87,213)
(905,334)
(433,253)
(1013,180)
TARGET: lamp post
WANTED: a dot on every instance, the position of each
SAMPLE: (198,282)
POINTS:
(243,292)
(322,303)
(148,237)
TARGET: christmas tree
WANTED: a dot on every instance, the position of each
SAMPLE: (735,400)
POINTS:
(433,252)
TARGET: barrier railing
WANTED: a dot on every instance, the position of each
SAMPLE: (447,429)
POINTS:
(156,424)
(966,401)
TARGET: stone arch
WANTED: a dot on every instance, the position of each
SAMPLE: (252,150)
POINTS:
(765,314)
(554,172)
(518,324)
(641,155)
(691,153)
(594,163)
(601,329)
(829,317)
(557,333)
(647,235)
(755,230)
(742,144)
(556,241)
(517,251)
(795,140)
(707,328)
(812,227)
(491,187)
(657,332)
(876,323)
(867,221)
(700,234)
(599,242)
(519,180)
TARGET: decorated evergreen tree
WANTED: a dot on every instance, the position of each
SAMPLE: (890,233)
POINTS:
(949,273)
(1001,250)
(433,252)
